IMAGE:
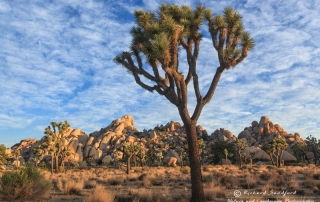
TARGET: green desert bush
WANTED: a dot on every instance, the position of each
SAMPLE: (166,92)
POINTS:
(28,183)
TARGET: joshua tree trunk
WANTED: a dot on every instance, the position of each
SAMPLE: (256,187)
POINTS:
(52,164)
(195,165)
(57,163)
(128,164)
(271,157)
(280,158)
(316,158)
(305,157)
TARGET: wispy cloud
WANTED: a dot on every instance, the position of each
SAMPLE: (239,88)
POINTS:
(56,63)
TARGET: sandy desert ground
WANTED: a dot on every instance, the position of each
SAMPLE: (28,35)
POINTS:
(256,183)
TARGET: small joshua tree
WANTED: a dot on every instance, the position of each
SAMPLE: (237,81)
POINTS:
(240,145)
(270,150)
(226,154)
(3,155)
(16,155)
(55,140)
(130,150)
(279,145)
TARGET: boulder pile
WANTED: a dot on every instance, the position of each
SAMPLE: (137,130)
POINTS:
(263,132)
(167,141)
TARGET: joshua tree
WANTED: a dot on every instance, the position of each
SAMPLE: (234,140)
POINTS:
(130,150)
(39,153)
(270,150)
(159,37)
(313,145)
(55,140)
(226,154)
(141,154)
(299,150)
(217,149)
(3,155)
(280,145)
(240,145)
(16,155)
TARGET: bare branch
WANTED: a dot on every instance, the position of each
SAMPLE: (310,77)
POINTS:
(213,85)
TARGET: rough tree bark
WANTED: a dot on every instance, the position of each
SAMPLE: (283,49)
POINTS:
(195,165)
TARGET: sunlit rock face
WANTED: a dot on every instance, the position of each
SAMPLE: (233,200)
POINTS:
(167,141)
(263,132)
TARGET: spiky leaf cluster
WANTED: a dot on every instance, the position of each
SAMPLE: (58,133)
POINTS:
(229,37)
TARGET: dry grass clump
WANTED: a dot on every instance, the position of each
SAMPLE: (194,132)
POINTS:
(214,192)
(266,176)
(116,180)
(294,185)
(278,181)
(218,175)
(133,177)
(207,178)
(89,184)
(282,171)
(100,194)
(249,182)
(309,183)
(229,181)
(146,195)
(70,186)
(185,170)
(151,180)
(316,176)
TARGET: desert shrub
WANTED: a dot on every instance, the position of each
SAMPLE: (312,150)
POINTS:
(151,180)
(185,170)
(99,194)
(133,177)
(309,183)
(266,176)
(301,192)
(70,187)
(89,184)
(293,185)
(61,169)
(249,182)
(279,181)
(213,193)
(281,171)
(116,180)
(229,181)
(272,167)
(208,178)
(316,176)
(218,174)
(142,176)
(145,195)
(28,183)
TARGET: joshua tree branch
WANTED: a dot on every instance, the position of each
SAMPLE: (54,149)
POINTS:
(213,85)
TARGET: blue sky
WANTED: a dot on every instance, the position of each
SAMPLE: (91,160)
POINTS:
(56,63)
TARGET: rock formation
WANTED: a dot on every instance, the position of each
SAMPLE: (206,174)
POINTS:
(166,142)
(263,132)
